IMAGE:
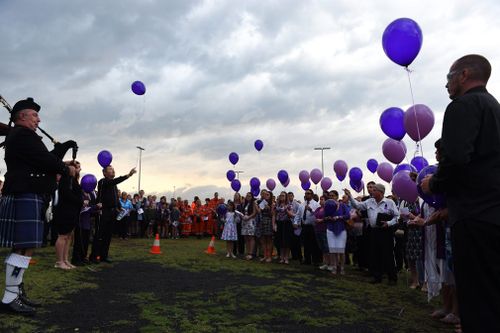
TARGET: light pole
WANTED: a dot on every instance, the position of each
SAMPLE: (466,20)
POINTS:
(322,149)
(140,164)
(238,174)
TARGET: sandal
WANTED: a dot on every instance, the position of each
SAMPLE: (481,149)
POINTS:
(450,318)
(440,313)
(249,257)
(69,264)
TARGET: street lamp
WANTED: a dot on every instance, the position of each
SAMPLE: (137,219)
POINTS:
(238,174)
(140,163)
(322,149)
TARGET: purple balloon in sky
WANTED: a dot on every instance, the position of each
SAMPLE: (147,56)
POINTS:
(392,123)
(340,168)
(104,158)
(372,165)
(404,187)
(88,183)
(404,167)
(138,88)
(233,158)
(394,151)
(355,174)
(282,176)
(235,185)
(270,184)
(305,186)
(326,183)
(419,163)
(316,175)
(230,175)
(402,41)
(384,171)
(258,144)
(419,121)
(304,176)
(435,200)
(254,182)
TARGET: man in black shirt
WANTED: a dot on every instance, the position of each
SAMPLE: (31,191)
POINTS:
(107,195)
(469,175)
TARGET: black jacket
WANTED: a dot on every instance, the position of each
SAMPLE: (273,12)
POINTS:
(107,193)
(469,168)
(31,168)
(70,201)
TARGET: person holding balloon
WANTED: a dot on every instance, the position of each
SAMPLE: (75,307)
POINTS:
(248,224)
(469,176)
(382,214)
(108,198)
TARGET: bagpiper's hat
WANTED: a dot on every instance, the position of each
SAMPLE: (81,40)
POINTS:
(24,104)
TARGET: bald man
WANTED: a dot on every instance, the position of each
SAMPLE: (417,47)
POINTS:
(469,175)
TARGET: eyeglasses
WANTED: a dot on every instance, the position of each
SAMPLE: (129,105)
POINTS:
(450,75)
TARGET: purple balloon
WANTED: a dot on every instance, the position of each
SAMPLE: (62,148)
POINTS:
(419,163)
(104,158)
(340,177)
(435,200)
(270,184)
(233,158)
(404,187)
(394,151)
(419,121)
(304,176)
(372,165)
(230,175)
(282,176)
(305,186)
(221,210)
(138,88)
(255,191)
(235,185)
(392,123)
(384,171)
(357,185)
(355,174)
(316,176)
(326,183)
(258,144)
(340,168)
(404,167)
(402,41)
(254,182)
(88,183)
(286,183)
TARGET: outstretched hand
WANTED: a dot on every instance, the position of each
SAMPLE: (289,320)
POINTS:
(131,173)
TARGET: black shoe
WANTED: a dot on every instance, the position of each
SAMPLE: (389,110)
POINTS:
(107,260)
(86,261)
(18,307)
(24,298)
(392,282)
(376,281)
(95,261)
(77,263)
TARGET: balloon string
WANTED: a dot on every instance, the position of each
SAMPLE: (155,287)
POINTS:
(419,143)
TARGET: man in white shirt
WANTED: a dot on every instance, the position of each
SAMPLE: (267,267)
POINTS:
(295,248)
(305,217)
(381,234)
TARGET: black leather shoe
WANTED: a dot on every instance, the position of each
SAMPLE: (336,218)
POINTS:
(95,261)
(24,298)
(18,307)
(107,260)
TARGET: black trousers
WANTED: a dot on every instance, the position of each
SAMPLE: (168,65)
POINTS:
(104,231)
(400,252)
(296,248)
(123,225)
(312,253)
(382,253)
(239,246)
(81,244)
(476,253)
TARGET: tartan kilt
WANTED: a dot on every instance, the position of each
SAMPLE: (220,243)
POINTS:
(21,221)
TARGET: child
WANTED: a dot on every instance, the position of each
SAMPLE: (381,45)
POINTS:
(175,215)
(230,234)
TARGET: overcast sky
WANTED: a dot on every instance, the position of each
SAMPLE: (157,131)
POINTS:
(221,74)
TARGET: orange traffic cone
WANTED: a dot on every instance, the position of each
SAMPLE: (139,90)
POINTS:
(211,246)
(155,249)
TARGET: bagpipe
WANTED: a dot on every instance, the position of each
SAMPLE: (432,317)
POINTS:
(60,149)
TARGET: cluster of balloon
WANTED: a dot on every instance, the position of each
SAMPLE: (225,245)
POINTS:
(233,158)
(355,179)
(138,88)
(437,201)
(385,171)
(258,144)
(255,186)
(402,41)
(304,179)
(316,175)
(104,158)
(372,165)
(340,168)
(88,183)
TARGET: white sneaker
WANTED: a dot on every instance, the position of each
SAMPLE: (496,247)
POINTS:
(323,267)
(228,255)
(331,268)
